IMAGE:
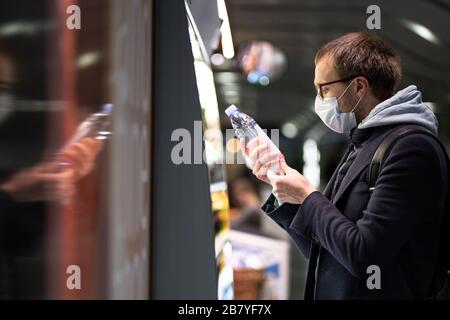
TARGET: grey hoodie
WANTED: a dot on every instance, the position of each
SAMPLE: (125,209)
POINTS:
(405,106)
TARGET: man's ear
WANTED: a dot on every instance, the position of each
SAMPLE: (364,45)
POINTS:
(362,85)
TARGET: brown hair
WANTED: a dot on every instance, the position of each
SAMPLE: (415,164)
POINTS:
(365,54)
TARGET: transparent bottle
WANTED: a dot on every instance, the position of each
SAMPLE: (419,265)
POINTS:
(80,152)
(245,127)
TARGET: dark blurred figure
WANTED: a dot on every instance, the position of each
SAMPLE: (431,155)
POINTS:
(26,183)
(245,204)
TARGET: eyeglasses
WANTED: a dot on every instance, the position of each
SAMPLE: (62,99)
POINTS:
(319,86)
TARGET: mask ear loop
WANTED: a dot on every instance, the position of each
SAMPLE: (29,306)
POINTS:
(338,112)
(358,101)
(337,108)
(345,90)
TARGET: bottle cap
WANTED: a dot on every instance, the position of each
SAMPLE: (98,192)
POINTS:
(107,108)
(231,109)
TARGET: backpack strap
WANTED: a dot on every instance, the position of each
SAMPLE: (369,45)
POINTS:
(443,263)
(386,145)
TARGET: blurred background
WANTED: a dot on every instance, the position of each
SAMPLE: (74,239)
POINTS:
(87,117)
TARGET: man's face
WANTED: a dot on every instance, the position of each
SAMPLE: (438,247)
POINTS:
(325,72)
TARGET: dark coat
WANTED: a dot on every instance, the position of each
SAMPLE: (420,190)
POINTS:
(395,228)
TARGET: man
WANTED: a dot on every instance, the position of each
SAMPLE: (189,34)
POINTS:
(26,184)
(21,177)
(28,181)
(346,229)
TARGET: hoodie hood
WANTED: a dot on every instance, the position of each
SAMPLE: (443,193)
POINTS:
(405,106)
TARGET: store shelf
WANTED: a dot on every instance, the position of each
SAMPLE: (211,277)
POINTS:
(221,239)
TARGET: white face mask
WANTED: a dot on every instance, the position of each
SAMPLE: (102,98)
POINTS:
(328,110)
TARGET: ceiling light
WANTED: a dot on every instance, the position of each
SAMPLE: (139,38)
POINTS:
(88,59)
(217,59)
(421,31)
(289,130)
(19,28)
(227,40)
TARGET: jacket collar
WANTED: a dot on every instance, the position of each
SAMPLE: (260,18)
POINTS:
(367,146)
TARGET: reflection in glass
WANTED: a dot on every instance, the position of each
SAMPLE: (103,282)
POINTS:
(74,176)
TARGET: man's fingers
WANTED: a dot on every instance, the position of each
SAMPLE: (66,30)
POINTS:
(46,167)
(258,152)
(269,157)
(64,175)
(61,194)
(244,147)
(255,142)
(271,176)
(256,167)
(265,161)
(283,165)
(55,184)
(58,189)
(260,170)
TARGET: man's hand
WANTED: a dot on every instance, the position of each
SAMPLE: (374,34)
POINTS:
(260,157)
(81,155)
(292,187)
(44,182)
(53,180)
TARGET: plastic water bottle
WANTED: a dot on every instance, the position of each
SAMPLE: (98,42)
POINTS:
(81,150)
(95,126)
(245,127)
